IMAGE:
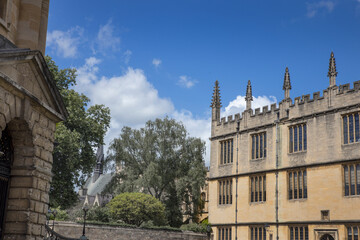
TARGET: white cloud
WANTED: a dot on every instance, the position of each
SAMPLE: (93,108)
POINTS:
(186,81)
(156,62)
(238,105)
(106,40)
(131,98)
(126,56)
(65,44)
(314,8)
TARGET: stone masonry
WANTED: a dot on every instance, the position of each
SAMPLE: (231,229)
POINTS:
(30,107)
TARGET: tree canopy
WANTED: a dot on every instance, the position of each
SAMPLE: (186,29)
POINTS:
(136,208)
(75,138)
(162,160)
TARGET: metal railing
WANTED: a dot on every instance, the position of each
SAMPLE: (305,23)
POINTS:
(52,235)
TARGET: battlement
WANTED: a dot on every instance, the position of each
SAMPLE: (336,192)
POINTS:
(331,98)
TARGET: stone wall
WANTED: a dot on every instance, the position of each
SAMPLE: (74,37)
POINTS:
(96,232)
(29,116)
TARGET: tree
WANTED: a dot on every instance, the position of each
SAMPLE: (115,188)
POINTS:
(76,138)
(136,208)
(162,160)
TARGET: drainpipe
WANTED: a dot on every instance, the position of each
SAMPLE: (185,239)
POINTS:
(237,171)
(277,176)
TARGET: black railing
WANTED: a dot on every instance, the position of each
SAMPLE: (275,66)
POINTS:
(52,235)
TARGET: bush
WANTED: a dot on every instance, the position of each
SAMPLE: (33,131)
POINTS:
(99,214)
(196,227)
(61,215)
(136,208)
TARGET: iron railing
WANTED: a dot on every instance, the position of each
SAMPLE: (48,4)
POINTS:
(52,235)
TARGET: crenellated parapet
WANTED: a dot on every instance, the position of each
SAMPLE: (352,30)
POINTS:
(290,110)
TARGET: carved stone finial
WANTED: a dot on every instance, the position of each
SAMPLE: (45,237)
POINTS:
(332,70)
(216,102)
(287,83)
(248,97)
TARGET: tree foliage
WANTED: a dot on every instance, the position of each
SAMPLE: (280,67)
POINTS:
(162,160)
(136,208)
(76,138)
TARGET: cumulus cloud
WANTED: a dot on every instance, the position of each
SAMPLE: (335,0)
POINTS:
(106,40)
(65,44)
(238,105)
(323,6)
(131,98)
(186,81)
(156,62)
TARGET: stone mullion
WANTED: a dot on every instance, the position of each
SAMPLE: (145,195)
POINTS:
(348,129)
(349,180)
(354,127)
(355,179)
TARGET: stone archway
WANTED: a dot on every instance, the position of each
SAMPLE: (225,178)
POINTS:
(327,237)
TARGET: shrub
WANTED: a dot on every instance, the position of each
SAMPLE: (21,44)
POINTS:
(61,215)
(136,208)
(99,214)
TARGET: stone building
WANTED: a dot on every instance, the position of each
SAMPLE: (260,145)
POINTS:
(288,172)
(91,193)
(30,107)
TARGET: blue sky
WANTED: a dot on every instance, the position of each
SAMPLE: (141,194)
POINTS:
(146,59)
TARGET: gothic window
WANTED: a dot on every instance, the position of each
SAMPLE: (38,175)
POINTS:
(257,233)
(258,145)
(351,127)
(352,179)
(258,188)
(297,184)
(297,138)
(299,233)
(225,191)
(224,233)
(353,232)
(226,151)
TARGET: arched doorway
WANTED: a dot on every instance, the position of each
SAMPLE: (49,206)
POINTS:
(327,237)
(5,163)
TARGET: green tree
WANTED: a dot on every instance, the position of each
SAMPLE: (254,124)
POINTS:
(76,138)
(136,208)
(162,160)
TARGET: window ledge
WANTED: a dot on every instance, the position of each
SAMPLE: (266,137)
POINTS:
(298,200)
(258,159)
(257,203)
(226,164)
(352,196)
(225,205)
(349,144)
(297,153)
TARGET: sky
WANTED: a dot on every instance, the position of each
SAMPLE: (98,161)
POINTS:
(150,59)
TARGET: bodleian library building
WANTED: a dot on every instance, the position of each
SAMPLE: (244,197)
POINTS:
(291,172)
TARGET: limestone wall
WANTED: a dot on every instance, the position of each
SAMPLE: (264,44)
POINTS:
(24,23)
(94,232)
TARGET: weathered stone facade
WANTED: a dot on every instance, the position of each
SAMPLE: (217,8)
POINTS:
(323,163)
(30,107)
